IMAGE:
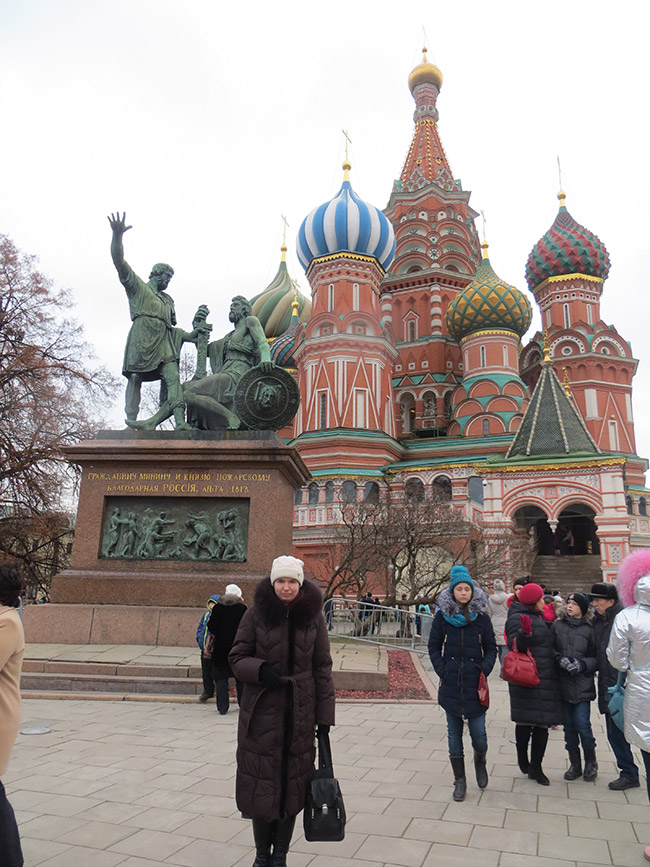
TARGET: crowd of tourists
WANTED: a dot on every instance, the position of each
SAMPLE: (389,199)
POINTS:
(558,658)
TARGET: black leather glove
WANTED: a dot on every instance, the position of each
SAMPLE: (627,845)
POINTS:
(270,676)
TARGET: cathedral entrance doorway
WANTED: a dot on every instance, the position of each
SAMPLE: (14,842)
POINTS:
(576,527)
(534,521)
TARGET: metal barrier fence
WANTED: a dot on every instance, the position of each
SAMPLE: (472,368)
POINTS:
(378,624)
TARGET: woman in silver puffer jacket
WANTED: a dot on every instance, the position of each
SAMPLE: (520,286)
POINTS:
(629,650)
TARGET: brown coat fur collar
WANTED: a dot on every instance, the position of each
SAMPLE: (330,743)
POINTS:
(272,611)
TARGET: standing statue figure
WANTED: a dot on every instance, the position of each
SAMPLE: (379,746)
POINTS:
(210,401)
(153,345)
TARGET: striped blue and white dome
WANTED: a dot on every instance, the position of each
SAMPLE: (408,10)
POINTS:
(346,224)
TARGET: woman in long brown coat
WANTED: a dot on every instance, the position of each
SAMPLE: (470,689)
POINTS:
(12,648)
(282,655)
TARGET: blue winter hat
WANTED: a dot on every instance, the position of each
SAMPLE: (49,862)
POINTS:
(459,575)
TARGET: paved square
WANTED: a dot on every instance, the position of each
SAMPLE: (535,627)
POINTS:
(137,784)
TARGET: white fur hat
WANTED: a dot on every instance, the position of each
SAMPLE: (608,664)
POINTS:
(233,589)
(287,567)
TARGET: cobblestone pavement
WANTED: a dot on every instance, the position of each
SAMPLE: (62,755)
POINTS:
(142,784)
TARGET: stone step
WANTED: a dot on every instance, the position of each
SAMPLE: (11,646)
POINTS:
(58,677)
(568,573)
(84,682)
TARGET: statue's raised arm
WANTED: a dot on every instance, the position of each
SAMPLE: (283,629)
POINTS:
(119,227)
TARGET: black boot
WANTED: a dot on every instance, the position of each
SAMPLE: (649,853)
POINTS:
(591,765)
(480,768)
(522,736)
(263,836)
(575,767)
(281,840)
(539,740)
(460,781)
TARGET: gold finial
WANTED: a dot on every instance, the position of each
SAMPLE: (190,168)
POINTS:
(346,163)
(294,303)
(484,249)
(424,54)
(547,346)
(562,196)
(283,248)
(566,383)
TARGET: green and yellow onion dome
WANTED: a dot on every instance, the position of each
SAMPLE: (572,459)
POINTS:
(488,303)
(567,248)
(273,306)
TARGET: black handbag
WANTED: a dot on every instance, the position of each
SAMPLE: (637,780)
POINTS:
(324,815)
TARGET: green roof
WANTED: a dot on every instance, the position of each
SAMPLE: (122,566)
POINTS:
(552,424)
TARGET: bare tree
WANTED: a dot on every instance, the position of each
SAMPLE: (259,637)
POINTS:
(52,394)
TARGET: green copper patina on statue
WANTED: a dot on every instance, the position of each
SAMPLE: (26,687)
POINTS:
(154,343)
(268,397)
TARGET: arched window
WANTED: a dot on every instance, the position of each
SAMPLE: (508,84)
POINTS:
(447,402)
(642,506)
(475,489)
(628,503)
(297,500)
(329,492)
(330,297)
(567,321)
(505,355)
(410,331)
(486,427)
(483,361)
(442,488)
(414,490)
(371,492)
(349,492)
(313,494)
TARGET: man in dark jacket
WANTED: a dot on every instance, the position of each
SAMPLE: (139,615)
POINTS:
(604,598)
(223,624)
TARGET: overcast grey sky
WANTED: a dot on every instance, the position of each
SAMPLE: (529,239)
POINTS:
(207,120)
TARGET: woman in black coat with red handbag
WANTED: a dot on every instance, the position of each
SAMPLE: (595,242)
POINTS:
(533,708)
(462,647)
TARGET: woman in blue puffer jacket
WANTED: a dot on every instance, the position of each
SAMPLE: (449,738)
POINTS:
(461,646)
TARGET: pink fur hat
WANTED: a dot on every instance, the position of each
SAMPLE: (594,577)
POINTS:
(635,566)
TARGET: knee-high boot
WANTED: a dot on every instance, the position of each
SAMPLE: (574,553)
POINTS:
(522,737)
(281,840)
(263,836)
(539,740)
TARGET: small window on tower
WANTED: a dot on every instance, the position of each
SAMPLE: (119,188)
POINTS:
(567,320)
(410,331)
(355,296)
(486,427)
(483,361)
(322,410)
(330,297)
(589,315)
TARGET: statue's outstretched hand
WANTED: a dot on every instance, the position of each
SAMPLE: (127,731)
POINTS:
(266,366)
(118,224)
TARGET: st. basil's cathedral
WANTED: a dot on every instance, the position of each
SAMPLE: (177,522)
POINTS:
(412,373)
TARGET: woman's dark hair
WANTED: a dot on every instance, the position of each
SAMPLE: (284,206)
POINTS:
(11,584)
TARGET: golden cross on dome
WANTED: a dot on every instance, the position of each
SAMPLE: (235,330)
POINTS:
(284,231)
(566,383)
(294,303)
(547,346)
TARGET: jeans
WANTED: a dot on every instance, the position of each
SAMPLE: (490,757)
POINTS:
(577,726)
(477,733)
(10,852)
(622,751)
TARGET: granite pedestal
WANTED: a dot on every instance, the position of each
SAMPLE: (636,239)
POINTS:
(125,580)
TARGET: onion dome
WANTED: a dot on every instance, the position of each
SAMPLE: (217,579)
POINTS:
(567,248)
(281,347)
(346,224)
(488,303)
(273,307)
(425,73)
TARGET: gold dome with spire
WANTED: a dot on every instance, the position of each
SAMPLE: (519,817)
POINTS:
(425,73)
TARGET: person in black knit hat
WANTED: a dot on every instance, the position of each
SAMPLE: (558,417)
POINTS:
(575,657)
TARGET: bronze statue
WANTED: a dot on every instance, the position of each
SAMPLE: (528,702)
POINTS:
(153,345)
